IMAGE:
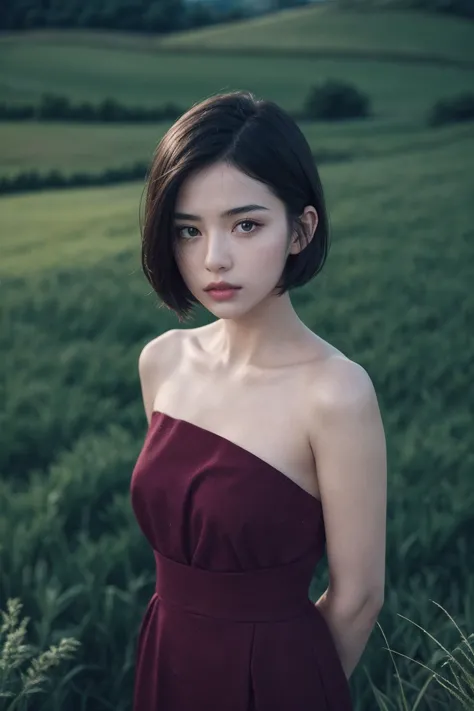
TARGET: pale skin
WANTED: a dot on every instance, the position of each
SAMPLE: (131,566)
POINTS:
(259,348)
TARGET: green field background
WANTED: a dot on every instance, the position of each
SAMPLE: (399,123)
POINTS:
(395,296)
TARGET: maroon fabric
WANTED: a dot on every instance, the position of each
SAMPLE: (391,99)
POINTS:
(230,626)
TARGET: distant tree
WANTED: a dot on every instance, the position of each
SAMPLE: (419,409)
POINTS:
(336,100)
(35,17)
(456,109)
(199,15)
(53,106)
(282,4)
(164,15)
(125,15)
(170,15)
(462,8)
(135,15)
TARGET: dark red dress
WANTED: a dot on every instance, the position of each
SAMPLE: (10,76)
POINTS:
(236,542)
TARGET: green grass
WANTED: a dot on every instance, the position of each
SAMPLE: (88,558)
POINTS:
(75,147)
(154,79)
(76,309)
(134,73)
(68,227)
(313,29)
(329,28)
(394,296)
(88,224)
(92,148)
(401,96)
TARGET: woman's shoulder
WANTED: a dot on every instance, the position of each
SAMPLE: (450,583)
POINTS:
(340,383)
(158,352)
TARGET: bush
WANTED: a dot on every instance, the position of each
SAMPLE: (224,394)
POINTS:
(459,8)
(54,107)
(15,113)
(32,180)
(336,100)
(110,110)
(453,110)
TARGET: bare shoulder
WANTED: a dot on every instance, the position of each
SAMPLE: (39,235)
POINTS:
(154,362)
(157,351)
(341,384)
(166,348)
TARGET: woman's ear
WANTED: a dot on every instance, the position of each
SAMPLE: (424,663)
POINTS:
(308,221)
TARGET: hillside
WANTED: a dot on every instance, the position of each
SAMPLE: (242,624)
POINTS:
(77,310)
(88,224)
(316,30)
(90,72)
(326,28)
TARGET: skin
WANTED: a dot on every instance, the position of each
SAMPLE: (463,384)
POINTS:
(257,323)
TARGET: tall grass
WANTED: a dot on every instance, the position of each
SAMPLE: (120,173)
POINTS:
(459,663)
(395,296)
(16,687)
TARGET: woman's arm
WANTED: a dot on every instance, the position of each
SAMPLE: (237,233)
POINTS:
(348,442)
(350,629)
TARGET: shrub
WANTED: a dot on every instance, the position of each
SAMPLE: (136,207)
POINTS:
(53,107)
(336,100)
(455,109)
(9,113)
(32,180)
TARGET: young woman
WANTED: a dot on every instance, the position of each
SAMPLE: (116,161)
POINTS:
(265,445)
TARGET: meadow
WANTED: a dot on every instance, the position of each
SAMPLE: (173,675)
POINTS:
(316,31)
(76,311)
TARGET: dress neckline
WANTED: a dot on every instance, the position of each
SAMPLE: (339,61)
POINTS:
(155,413)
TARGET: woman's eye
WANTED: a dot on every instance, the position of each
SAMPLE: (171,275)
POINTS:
(248,222)
(181,229)
(246,225)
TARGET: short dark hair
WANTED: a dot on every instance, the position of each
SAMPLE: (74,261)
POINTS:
(260,139)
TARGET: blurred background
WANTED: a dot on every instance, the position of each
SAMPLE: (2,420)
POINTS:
(384,92)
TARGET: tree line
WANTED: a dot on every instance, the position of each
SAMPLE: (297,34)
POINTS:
(159,16)
(54,107)
(162,16)
(461,8)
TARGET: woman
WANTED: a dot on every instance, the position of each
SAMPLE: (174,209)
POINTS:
(265,444)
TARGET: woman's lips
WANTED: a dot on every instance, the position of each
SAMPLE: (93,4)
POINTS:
(223,294)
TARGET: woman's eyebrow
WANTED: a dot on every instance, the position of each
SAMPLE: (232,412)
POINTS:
(227,213)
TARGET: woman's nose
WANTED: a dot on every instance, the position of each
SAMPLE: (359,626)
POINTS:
(217,251)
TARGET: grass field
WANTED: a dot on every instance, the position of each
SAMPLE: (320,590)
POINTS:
(313,29)
(398,89)
(135,73)
(74,147)
(328,28)
(394,296)
(88,224)
(76,310)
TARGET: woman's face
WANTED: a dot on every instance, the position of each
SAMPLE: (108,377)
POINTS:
(247,248)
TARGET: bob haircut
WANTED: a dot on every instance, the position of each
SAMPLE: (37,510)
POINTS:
(261,140)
